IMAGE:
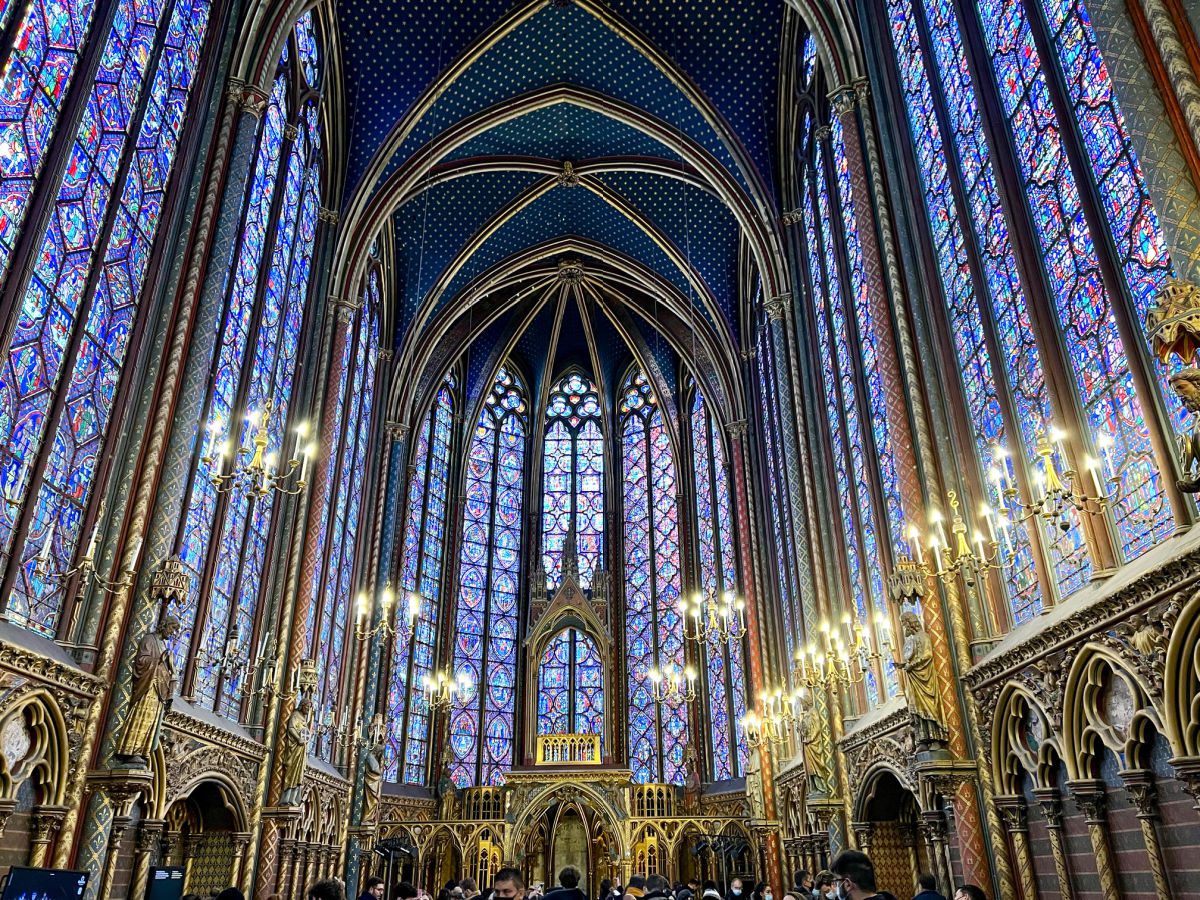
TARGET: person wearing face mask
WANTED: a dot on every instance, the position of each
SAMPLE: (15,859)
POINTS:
(853,876)
(736,888)
(823,886)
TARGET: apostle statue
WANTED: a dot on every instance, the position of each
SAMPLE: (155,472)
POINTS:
(372,781)
(447,790)
(295,752)
(692,783)
(920,684)
(754,786)
(153,685)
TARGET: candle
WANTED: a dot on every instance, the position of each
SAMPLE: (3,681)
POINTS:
(94,540)
(44,554)
(914,540)
(362,607)
(988,514)
(21,473)
(1105,442)
(936,547)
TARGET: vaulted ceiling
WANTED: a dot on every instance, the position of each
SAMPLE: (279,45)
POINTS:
(462,118)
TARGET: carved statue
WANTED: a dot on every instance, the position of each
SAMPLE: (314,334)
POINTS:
(447,790)
(920,683)
(153,685)
(692,784)
(1187,385)
(754,786)
(295,752)
(372,782)
(810,737)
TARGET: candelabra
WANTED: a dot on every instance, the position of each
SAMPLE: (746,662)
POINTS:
(672,685)
(86,568)
(843,665)
(1056,494)
(773,725)
(387,625)
(967,554)
(253,469)
(709,618)
(443,690)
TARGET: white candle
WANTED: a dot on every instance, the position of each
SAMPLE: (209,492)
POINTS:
(44,554)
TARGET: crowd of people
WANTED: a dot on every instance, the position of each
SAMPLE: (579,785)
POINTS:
(851,876)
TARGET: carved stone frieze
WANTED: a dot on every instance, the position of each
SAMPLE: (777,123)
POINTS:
(193,748)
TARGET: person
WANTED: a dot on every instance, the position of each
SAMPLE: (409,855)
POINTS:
(969,892)
(823,886)
(802,884)
(657,888)
(736,888)
(853,875)
(231,893)
(406,890)
(681,891)
(372,889)
(636,887)
(928,888)
(327,889)
(606,889)
(508,884)
(759,892)
(469,888)
(568,886)
(710,891)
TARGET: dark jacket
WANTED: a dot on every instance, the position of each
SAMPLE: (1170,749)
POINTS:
(929,895)
(565,893)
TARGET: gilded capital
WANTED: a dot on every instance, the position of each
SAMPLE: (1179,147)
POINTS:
(776,307)
(247,97)
(844,99)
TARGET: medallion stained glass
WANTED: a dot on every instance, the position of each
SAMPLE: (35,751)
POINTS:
(573,472)
(571,686)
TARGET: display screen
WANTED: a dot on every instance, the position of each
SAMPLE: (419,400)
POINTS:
(43,884)
(165,883)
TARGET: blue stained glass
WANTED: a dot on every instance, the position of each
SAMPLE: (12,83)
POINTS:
(481,729)
(724,676)
(573,479)
(406,748)
(571,685)
(33,82)
(308,50)
(653,627)
(808,64)
(1095,351)
(975,365)
(67,481)
(235,334)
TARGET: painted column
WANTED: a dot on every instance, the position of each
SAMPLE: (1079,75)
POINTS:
(737,431)
(47,821)
(149,843)
(1050,802)
(933,828)
(1090,796)
(1144,793)
(1016,823)
(391,488)
(969,826)
(216,228)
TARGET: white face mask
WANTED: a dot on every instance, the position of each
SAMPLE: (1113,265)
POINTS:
(842,893)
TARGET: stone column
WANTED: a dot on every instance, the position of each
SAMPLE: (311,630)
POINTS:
(191,849)
(115,835)
(1016,824)
(1144,793)
(240,842)
(1050,802)
(933,828)
(47,820)
(1187,770)
(149,845)
(287,854)
(862,835)
(1091,798)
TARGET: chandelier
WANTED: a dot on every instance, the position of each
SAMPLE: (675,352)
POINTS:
(253,469)
(442,690)
(1057,493)
(673,685)
(387,625)
(707,617)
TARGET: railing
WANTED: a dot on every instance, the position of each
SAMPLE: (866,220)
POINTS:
(568,749)
(483,803)
(654,801)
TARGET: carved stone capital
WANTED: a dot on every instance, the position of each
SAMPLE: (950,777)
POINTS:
(1143,792)
(1013,813)
(6,809)
(823,133)
(1187,769)
(1050,802)
(397,431)
(150,835)
(248,97)
(45,822)
(933,826)
(777,307)
(327,215)
(844,99)
(240,841)
(862,89)
(386,354)
(1091,798)
(290,132)
(737,430)
(792,216)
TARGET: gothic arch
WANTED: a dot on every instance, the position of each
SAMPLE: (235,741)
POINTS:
(1181,682)
(539,802)
(870,783)
(36,721)
(1023,742)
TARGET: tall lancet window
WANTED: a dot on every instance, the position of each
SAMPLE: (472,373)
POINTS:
(725,676)
(77,312)
(573,472)
(571,685)
(223,536)
(489,573)
(658,733)
(406,749)
(341,507)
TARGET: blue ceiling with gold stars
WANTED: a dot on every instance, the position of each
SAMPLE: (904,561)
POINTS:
(701,73)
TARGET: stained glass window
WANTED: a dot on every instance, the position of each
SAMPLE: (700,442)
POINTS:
(724,666)
(653,627)
(135,110)
(485,643)
(406,748)
(573,487)
(330,609)
(223,541)
(571,685)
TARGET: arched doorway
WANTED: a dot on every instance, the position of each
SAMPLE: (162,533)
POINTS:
(887,829)
(203,834)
